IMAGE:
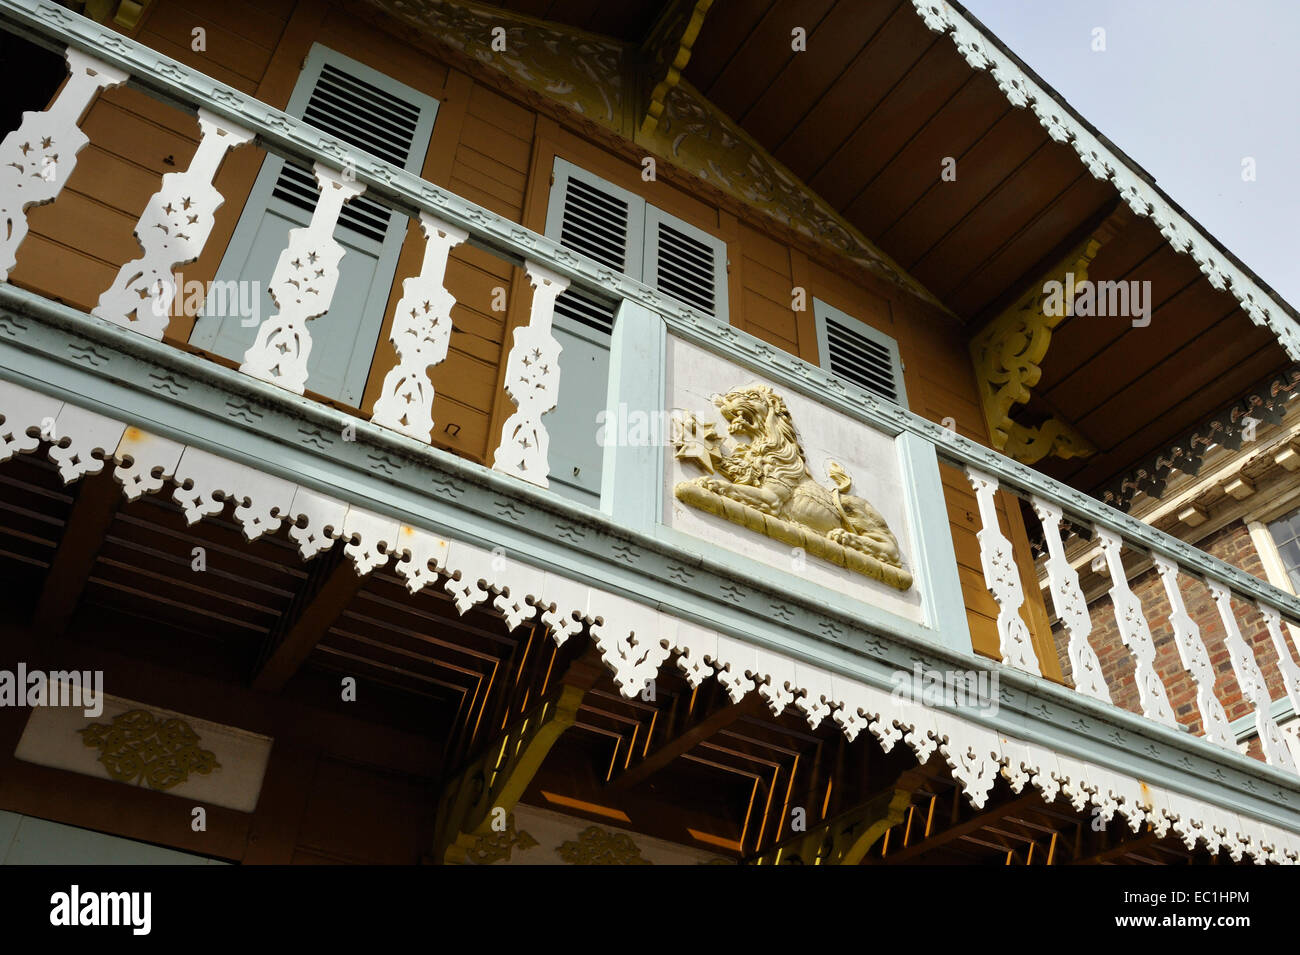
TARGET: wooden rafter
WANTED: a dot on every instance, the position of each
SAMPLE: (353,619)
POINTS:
(846,838)
(92,514)
(330,586)
(477,802)
(959,830)
(686,740)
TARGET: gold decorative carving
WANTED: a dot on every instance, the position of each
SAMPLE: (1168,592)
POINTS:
(499,776)
(585,74)
(666,52)
(579,70)
(764,484)
(1007,355)
(140,747)
(498,846)
(597,846)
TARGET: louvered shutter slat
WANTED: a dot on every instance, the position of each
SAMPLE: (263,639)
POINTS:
(685,267)
(854,355)
(361,115)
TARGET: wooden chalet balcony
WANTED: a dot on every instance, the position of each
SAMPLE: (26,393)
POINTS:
(116,391)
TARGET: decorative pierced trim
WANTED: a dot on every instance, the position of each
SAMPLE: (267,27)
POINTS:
(1265,404)
(1136,633)
(1015,645)
(302,287)
(172,231)
(635,639)
(421,332)
(533,383)
(1020,90)
(1071,607)
(37,158)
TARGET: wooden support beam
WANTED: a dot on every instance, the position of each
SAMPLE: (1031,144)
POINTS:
(685,741)
(1009,350)
(331,584)
(846,838)
(959,829)
(1122,848)
(474,822)
(92,513)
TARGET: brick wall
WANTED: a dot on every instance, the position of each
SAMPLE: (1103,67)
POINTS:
(1231,544)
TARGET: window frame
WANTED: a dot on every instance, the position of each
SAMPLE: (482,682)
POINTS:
(820,311)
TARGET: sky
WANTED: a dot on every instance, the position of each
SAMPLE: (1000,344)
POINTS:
(1188,89)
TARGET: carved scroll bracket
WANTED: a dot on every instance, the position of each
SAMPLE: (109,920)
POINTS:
(1008,355)
(666,52)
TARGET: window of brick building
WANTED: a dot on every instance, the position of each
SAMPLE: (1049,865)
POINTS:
(1286,534)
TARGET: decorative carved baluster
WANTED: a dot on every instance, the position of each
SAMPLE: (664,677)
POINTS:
(1071,607)
(1196,659)
(37,158)
(172,231)
(533,383)
(302,287)
(1003,579)
(1251,681)
(421,332)
(1285,662)
(1135,633)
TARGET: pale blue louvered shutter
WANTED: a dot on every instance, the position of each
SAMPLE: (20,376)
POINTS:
(601,221)
(857,353)
(366,109)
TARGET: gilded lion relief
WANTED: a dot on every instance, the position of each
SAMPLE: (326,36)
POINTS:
(762,482)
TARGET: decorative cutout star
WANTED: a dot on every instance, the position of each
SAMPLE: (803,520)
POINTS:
(697,443)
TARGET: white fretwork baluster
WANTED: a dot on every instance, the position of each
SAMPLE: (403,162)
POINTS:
(532,382)
(172,231)
(37,158)
(1003,578)
(1285,662)
(421,332)
(1071,607)
(1251,680)
(1136,633)
(302,287)
(1196,659)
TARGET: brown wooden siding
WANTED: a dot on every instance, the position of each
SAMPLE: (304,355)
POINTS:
(499,153)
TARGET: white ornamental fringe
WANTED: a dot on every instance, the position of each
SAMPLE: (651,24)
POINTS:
(635,640)
(1021,91)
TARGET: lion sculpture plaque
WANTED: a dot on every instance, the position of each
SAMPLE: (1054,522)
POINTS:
(763,483)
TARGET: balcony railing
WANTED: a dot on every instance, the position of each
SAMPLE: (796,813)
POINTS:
(37,159)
